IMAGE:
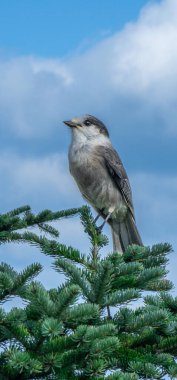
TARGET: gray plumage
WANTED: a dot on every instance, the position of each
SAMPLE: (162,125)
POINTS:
(102,179)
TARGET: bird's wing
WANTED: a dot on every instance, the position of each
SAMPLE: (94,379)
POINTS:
(118,174)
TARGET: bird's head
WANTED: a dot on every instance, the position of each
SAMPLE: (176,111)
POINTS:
(87,127)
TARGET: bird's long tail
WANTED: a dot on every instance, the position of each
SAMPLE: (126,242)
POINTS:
(124,233)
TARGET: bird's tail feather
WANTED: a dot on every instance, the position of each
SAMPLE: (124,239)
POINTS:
(124,233)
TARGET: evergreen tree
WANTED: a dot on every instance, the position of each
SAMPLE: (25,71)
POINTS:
(87,327)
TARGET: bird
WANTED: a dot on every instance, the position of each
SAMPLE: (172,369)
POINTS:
(102,179)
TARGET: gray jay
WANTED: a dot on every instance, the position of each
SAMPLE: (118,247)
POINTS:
(102,179)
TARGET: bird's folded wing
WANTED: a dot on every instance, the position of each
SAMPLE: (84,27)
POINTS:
(117,172)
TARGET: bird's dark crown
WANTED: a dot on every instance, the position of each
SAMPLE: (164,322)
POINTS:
(98,123)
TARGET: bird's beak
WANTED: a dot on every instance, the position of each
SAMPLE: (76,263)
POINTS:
(70,123)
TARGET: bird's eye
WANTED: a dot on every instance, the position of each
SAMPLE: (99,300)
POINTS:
(87,123)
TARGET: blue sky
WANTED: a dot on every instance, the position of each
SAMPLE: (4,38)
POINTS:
(112,59)
(59,28)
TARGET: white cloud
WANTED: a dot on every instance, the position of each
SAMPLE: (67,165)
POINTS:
(41,181)
(145,53)
(137,65)
(30,94)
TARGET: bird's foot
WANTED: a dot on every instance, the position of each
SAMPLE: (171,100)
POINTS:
(99,229)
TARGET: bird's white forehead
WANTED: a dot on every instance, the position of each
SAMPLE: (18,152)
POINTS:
(75,120)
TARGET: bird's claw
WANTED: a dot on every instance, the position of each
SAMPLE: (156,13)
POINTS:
(99,230)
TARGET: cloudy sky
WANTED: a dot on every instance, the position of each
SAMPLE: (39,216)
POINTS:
(115,60)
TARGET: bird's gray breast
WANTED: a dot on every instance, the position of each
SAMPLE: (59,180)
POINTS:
(88,168)
(84,168)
